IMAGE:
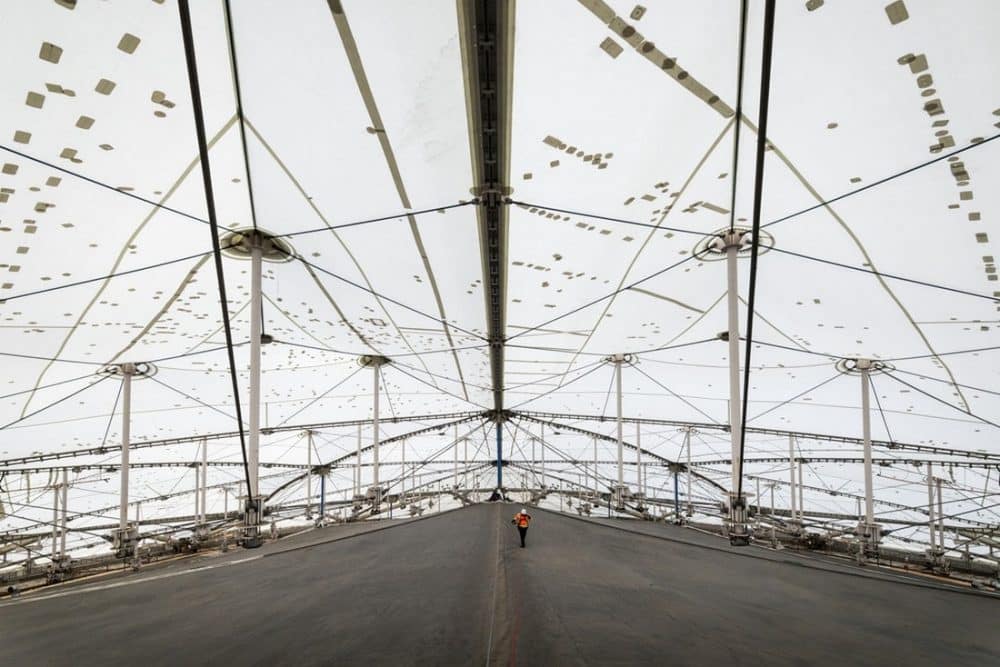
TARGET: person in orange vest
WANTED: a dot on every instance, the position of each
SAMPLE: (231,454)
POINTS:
(521,520)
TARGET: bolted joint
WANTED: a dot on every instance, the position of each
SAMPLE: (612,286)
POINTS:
(373,360)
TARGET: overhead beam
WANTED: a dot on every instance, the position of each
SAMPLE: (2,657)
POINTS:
(706,426)
(486,34)
(223,435)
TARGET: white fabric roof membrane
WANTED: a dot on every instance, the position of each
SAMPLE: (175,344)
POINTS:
(361,116)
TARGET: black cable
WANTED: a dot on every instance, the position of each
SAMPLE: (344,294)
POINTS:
(105,277)
(608,396)
(913,281)
(797,396)
(676,395)
(665,348)
(739,112)
(94,181)
(765,95)
(595,216)
(941,400)
(313,402)
(398,364)
(827,202)
(199,120)
(189,396)
(381,296)
(878,404)
(385,389)
(54,403)
(945,354)
(369,221)
(111,419)
(779,346)
(560,387)
(600,299)
(44,386)
(4,353)
(185,355)
(239,109)
(828,355)
(947,382)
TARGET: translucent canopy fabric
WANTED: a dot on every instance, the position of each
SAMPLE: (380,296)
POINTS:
(353,146)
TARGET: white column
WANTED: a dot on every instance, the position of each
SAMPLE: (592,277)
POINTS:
(732,248)
(638,458)
(357,468)
(197,493)
(63,526)
(687,443)
(758,500)
(930,503)
(375,433)
(618,390)
(541,438)
(204,479)
(597,483)
(309,459)
(791,475)
(402,468)
(864,365)
(253,449)
(802,505)
(126,371)
(940,515)
(55,521)
(455,484)
(465,474)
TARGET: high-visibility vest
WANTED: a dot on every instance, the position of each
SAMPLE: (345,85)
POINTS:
(522,520)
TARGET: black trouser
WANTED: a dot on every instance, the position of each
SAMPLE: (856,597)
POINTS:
(523,530)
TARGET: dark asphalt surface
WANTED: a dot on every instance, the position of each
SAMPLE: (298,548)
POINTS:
(594,595)
(455,589)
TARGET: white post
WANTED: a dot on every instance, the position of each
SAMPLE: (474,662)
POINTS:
(197,493)
(864,365)
(402,469)
(791,475)
(253,451)
(597,483)
(758,500)
(465,473)
(618,389)
(357,468)
(732,248)
(940,515)
(930,502)
(309,459)
(126,370)
(542,443)
(62,527)
(687,442)
(802,505)
(204,479)
(55,521)
(455,484)
(375,433)
(638,458)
